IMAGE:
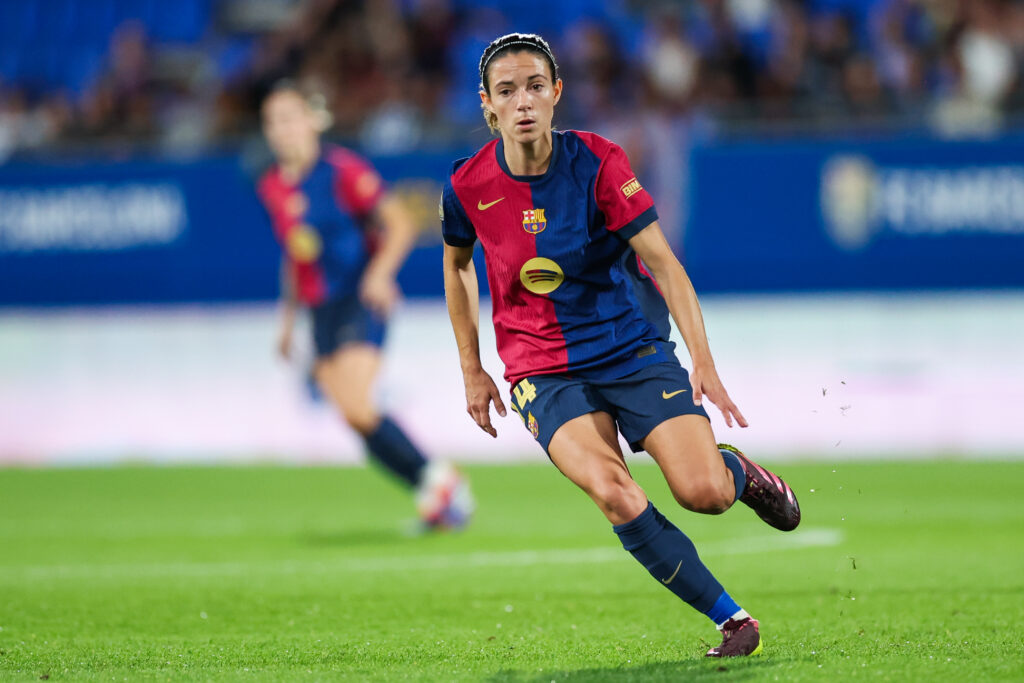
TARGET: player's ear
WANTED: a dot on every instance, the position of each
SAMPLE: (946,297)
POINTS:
(558,90)
(485,101)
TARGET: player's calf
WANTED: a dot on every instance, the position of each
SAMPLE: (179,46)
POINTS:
(706,496)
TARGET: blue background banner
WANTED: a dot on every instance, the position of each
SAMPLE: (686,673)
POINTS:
(163,232)
(793,215)
(220,249)
(840,215)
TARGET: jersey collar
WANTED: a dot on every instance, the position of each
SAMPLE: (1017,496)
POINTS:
(499,154)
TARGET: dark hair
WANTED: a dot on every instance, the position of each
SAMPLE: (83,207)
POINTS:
(507,44)
(515,42)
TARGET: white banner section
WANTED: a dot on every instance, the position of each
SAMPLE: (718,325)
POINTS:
(824,377)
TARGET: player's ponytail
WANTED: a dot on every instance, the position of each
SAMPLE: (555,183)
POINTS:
(510,44)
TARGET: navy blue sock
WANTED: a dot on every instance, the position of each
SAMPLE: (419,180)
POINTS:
(671,558)
(738,475)
(392,448)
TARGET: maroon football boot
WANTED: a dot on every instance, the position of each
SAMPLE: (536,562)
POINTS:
(740,638)
(766,494)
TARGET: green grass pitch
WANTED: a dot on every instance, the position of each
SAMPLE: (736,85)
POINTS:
(900,571)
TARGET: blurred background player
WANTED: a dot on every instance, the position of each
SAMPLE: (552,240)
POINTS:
(569,235)
(344,239)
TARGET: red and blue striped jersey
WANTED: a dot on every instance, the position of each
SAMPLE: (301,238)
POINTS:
(322,222)
(569,295)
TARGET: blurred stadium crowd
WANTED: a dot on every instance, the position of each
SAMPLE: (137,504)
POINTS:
(399,75)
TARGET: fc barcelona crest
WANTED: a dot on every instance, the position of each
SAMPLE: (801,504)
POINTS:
(534,221)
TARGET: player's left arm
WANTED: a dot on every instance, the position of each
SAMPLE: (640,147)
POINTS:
(379,287)
(652,247)
(361,190)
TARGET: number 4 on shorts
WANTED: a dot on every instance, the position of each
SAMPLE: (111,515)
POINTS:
(524,393)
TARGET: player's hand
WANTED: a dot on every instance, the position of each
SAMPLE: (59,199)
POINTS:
(378,290)
(705,381)
(284,343)
(480,391)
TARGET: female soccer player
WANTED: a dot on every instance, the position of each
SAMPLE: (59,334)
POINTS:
(571,241)
(325,204)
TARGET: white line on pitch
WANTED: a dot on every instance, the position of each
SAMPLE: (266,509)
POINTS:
(807,538)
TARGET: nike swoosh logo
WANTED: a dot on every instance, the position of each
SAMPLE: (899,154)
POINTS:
(669,579)
(665,394)
(483,207)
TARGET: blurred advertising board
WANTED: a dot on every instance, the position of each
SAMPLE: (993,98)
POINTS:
(878,214)
(796,215)
(127,232)
(167,232)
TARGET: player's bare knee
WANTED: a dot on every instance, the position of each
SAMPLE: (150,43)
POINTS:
(619,497)
(361,420)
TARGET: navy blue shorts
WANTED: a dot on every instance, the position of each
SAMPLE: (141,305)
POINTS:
(638,402)
(343,321)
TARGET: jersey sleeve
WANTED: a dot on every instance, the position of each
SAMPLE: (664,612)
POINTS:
(627,206)
(456,228)
(357,183)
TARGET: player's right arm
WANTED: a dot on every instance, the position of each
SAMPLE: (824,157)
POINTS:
(462,294)
(273,195)
(289,308)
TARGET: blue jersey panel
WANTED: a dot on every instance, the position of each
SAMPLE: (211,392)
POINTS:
(647,295)
(345,252)
(604,323)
